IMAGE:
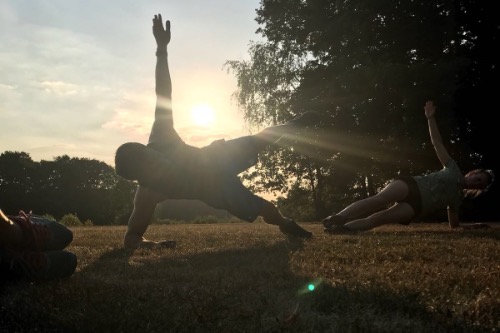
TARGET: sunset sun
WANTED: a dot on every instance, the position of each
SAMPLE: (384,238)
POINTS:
(202,115)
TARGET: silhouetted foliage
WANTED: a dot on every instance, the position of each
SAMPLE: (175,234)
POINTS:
(86,188)
(368,67)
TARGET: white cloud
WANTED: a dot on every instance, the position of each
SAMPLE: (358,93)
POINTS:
(59,88)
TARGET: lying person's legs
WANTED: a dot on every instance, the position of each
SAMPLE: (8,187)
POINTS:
(31,248)
(32,232)
(399,213)
(402,194)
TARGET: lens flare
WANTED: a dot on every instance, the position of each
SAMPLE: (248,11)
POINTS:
(310,287)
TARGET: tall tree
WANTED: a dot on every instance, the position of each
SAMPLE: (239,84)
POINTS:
(368,67)
(16,181)
(477,98)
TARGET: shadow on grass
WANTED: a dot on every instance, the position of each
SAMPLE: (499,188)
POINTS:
(417,229)
(487,233)
(243,290)
(251,289)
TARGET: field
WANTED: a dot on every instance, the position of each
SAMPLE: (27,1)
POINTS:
(238,277)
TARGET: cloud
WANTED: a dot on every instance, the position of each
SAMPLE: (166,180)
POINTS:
(126,122)
(78,77)
(59,88)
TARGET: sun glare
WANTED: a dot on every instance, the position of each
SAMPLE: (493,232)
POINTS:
(203,115)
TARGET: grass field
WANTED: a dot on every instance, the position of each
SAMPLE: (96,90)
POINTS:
(250,278)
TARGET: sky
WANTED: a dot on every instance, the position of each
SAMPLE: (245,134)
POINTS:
(77,77)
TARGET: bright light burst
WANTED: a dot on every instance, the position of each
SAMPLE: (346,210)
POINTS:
(203,115)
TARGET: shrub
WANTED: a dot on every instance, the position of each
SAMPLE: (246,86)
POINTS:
(49,217)
(88,223)
(70,220)
(208,219)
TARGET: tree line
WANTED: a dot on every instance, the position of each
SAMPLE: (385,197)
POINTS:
(80,189)
(87,188)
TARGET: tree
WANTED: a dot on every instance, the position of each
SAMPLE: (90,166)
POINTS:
(368,67)
(86,188)
(15,180)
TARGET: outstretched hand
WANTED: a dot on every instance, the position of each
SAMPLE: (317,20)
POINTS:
(430,109)
(162,35)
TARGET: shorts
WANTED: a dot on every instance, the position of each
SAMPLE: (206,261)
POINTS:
(210,174)
(413,198)
(233,156)
(230,158)
(234,197)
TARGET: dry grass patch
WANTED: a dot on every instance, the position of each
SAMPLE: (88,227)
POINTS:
(250,278)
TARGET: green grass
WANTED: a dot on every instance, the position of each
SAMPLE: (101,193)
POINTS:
(250,278)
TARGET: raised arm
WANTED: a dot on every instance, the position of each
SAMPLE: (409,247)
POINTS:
(163,86)
(437,142)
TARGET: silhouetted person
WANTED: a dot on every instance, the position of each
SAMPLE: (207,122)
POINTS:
(168,168)
(406,198)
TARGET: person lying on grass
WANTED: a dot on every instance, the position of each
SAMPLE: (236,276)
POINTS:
(168,168)
(32,248)
(406,198)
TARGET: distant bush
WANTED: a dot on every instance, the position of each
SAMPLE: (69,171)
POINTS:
(209,219)
(88,223)
(49,217)
(70,220)
(202,219)
(168,221)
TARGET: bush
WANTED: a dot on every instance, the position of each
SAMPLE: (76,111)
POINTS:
(208,219)
(88,223)
(70,220)
(49,217)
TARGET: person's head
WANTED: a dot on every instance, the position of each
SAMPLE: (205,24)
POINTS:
(478,181)
(129,160)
